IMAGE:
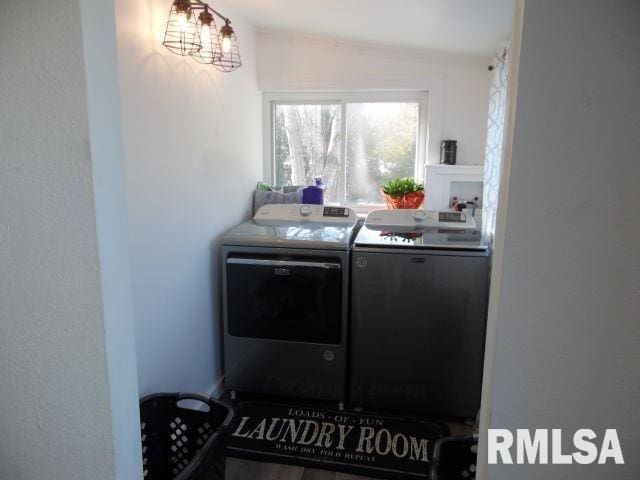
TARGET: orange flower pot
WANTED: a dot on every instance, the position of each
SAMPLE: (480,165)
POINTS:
(411,200)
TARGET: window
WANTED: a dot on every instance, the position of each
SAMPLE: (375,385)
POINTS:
(356,142)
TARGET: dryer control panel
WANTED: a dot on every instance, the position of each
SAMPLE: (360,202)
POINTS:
(281,212)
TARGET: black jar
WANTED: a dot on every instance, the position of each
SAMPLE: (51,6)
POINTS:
(448,152)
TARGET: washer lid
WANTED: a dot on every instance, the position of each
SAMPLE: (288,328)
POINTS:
(428,237)
(296,226)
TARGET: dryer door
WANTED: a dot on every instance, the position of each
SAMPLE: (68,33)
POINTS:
(294,299)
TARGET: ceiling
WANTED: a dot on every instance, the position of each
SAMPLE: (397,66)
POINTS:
(464,26)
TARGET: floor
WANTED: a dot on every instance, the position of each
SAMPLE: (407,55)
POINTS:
(248,470)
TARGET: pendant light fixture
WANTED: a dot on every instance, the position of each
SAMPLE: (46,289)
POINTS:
(227,54)
(208,37)
(191,30)
(181,35)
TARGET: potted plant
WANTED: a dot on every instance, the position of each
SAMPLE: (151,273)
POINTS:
(403,193)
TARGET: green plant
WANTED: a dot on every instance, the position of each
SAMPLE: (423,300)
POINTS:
(399,187)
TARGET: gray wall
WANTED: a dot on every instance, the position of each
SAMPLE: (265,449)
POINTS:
(68,396)
(568,343)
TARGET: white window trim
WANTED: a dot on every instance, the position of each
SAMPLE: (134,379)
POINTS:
(270,99)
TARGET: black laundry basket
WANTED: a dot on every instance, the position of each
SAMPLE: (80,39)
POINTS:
(179,442)
(454,458)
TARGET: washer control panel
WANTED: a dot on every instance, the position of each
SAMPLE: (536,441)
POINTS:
(419,215)
(420,219)
(455,217)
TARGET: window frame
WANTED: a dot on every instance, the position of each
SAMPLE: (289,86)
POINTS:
(271,99)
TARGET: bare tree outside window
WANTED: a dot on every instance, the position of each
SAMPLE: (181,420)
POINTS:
(381,140)
(307,145)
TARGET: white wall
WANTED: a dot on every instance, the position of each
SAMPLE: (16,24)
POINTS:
(65,311)
(103,94)
(192,142)
(458,84)
(568,339)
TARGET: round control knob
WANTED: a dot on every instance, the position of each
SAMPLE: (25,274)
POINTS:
(419,215)
(328,355)
(305,210)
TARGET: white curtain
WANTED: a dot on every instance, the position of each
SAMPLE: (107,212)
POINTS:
(495,141)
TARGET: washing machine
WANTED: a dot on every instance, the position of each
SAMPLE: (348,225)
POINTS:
(418,312)
(285,301)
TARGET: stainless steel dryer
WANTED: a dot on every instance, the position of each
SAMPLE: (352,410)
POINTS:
(285,301)
(418,312)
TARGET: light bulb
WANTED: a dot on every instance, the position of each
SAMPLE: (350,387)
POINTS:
(226,44)
(182,21)
(205,36)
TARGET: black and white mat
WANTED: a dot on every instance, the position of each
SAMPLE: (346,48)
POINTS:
(357,443)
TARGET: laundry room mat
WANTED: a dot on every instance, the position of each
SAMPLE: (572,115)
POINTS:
(356,443)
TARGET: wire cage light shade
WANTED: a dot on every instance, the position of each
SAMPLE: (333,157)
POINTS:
(226,53)
(182,35)
(191,30)
(208,38)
